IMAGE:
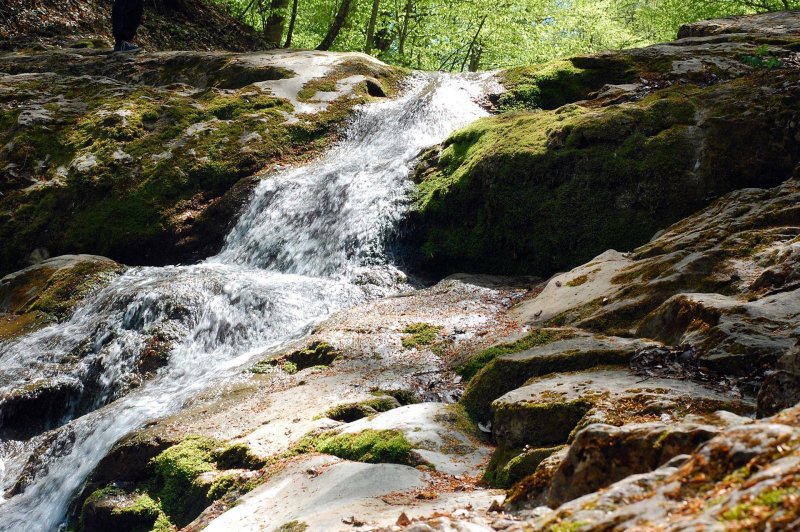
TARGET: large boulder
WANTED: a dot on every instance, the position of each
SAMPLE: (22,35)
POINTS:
(509,371)
(588,170)
(548,410)
(49,291)
(743,478)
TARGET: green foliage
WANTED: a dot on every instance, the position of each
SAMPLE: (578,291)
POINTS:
(463,35)
(762,59)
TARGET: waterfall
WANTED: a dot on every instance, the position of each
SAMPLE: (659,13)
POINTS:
(311,242)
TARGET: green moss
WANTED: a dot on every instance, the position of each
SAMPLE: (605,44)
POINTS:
(404,397)
(237,456)
(538,424)
(578,281)
(533,339)
(507,467)
(159,153)
(769,501)
(547,190)
(144,509)
(420,334)
(353,411)
(371,446)
(68,286)
(222,486)
(570,526)
(311,88)
(136,512)
(317,354)
(292,526)
(176,471)
(557,83)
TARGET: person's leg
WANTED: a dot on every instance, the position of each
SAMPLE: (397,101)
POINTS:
(126,15)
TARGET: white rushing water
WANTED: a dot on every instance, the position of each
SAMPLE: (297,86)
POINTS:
(310,243)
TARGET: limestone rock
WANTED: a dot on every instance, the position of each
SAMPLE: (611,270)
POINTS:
(745,477)
(507,372)
(547,410)
(603,454)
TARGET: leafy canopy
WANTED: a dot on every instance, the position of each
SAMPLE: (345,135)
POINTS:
(460,35)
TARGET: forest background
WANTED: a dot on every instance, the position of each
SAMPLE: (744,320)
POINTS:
(461,35)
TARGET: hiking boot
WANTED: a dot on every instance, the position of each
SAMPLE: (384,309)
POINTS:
(126,46)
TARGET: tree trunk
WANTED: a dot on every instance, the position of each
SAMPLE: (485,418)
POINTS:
(469,53)
(292,21)
(401,46)
(373,18)
(336,27)
(277,18)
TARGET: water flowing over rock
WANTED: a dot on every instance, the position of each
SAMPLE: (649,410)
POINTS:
(313,241)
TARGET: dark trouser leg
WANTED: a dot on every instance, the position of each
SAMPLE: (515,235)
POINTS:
(126,15)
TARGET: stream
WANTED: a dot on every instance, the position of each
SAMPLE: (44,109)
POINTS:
(312,241)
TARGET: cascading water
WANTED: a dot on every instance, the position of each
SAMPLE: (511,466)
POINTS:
(311,242)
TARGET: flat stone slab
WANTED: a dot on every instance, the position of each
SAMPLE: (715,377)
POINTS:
(547,410)
(326,493)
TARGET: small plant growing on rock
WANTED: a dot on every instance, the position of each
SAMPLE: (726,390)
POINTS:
(762,59)
(420,334)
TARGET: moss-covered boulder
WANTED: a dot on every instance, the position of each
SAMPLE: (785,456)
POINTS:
(603,454)
(723,280)
(112,509)
(549,410)
(549,188)
(167,484)
(49,291)
(148,159)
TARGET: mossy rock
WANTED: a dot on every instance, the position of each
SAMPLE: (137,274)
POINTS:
(547,190)
(509,371)
(112,509)
(153,167)
(370,446)
(50,291)
(237,456)
(317,354)
(550,410)
(535,338)
(554,84)
(509,466)
(176,482)
(354,411)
